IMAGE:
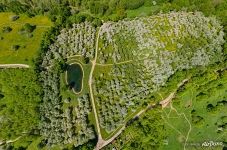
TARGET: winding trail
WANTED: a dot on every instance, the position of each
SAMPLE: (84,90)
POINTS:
(167,100)
(14,66)
(10,141)
(118,63)
(100,139)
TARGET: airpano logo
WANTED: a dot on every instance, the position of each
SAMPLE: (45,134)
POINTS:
(211,144)
(205,144)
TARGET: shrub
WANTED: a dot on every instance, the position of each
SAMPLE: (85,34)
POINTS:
(1,96)
(14,18)
(28,28)
(15,47)
(29,35)
(6,29)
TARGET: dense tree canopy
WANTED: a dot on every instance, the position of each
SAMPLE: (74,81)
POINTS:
(20,98)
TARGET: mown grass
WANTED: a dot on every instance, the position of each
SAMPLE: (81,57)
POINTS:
(29,46)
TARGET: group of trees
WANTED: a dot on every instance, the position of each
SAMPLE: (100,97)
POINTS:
(56,119)
(76,123)
(162,45)
(67,12)
(115,99)
(63,125)
(78,40)
(150,133)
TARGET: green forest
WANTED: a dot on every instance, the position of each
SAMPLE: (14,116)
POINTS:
(20,95)
(134,54)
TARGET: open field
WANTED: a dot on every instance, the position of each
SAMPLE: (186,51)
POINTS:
(28,43)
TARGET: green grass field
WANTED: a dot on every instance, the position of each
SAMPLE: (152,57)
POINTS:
(28,46)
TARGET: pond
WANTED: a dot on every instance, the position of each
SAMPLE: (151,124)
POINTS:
(75,77)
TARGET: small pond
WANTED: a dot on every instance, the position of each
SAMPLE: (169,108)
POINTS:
(75,77)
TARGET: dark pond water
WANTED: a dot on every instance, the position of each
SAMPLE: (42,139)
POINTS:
(75,77)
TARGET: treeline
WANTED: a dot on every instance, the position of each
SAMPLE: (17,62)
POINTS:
(150,132)
(58,11)
(76,11)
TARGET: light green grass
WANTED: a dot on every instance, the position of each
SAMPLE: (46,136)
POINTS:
(142,11)
(28,46)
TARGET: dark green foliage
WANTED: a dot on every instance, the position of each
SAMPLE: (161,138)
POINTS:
(88,146)
(77,18)
(18,7)
(86,60)
(19,104)
(28,28)
(15,47)
(145,132)
(14,18)
(6,29)
(1,96)
(132,4)
(98,7)
(2,7)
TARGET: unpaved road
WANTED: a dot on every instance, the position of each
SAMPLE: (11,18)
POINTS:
(14,66)
(100,140)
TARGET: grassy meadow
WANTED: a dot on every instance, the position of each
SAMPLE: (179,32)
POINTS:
(28,43)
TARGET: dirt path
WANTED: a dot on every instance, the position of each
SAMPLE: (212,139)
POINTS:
(167,100)
(14,66)
(100,140)
(118,63)
(10,141)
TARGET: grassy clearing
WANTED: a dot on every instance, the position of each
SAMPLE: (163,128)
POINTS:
(28,42)
(142,11)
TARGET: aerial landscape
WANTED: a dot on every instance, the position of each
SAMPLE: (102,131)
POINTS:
(113,74)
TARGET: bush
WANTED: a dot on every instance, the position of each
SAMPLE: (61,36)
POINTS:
(6,29)
(15,47)
(132,4)
(28,28)
(86,60)
(29,35)
(14,18)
